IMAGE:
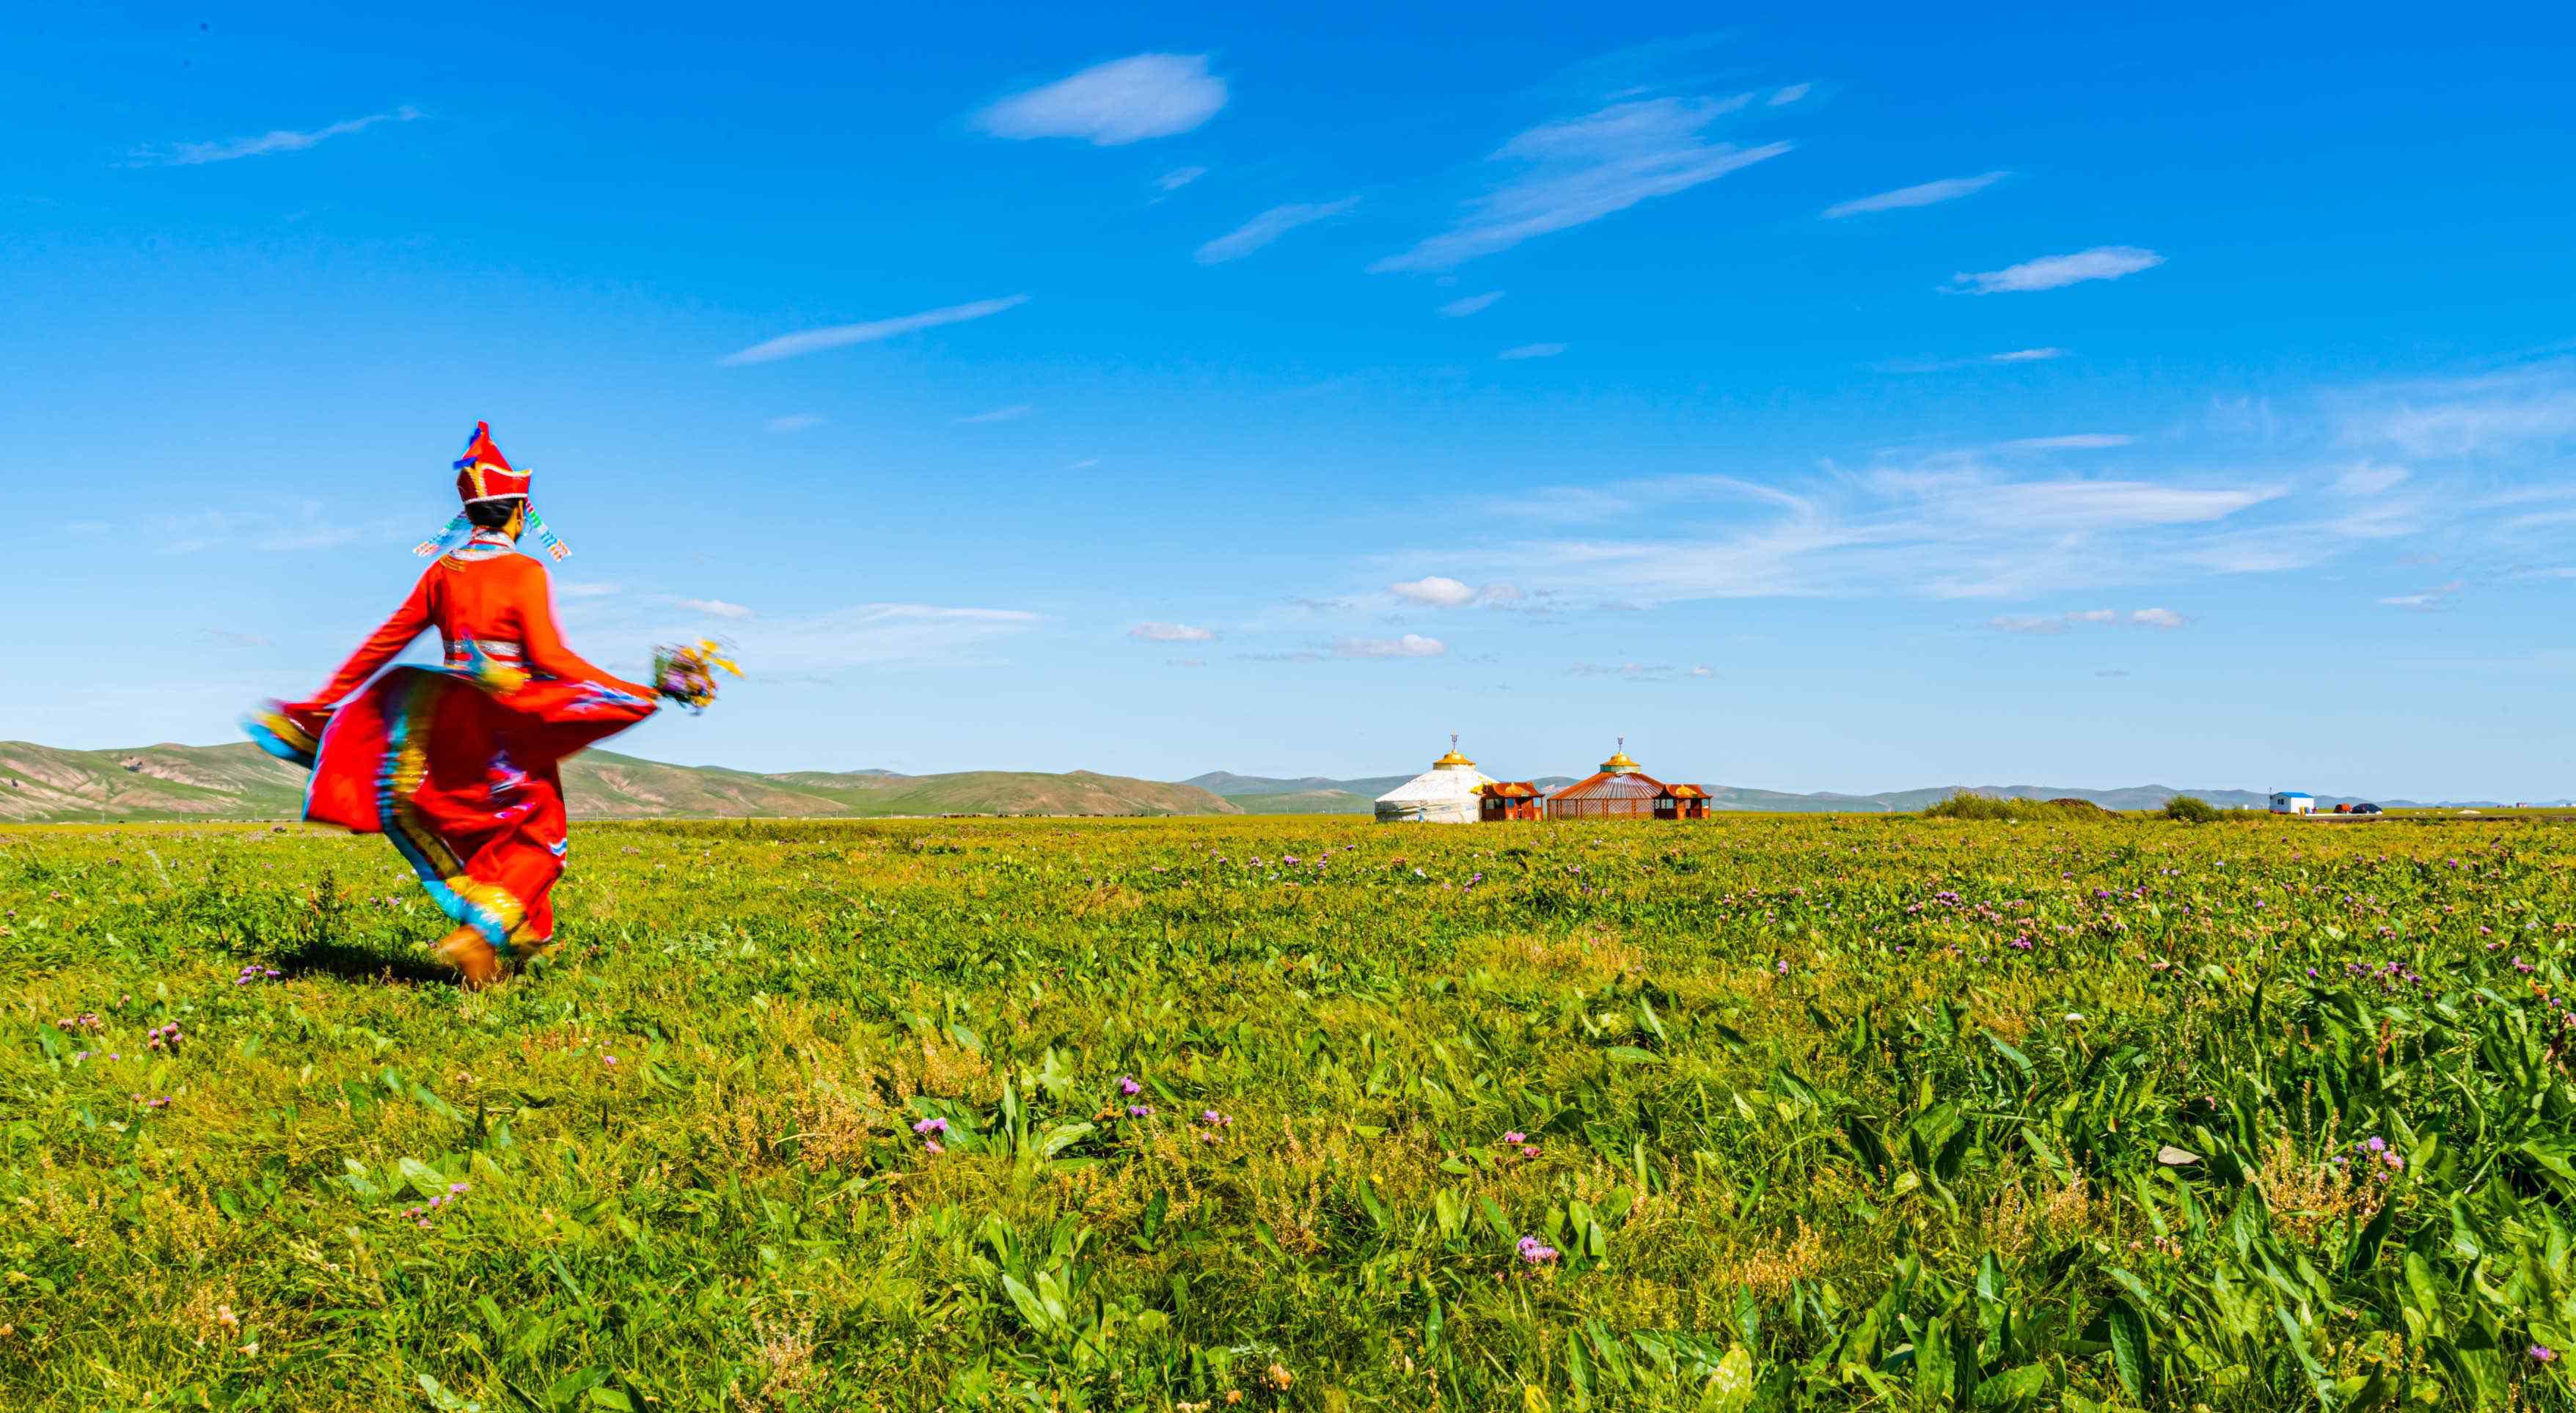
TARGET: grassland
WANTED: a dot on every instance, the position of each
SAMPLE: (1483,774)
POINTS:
(1831,1112)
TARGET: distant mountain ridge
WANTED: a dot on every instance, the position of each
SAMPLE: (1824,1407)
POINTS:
(239,781)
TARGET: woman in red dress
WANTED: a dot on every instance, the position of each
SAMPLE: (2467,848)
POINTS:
(458,766)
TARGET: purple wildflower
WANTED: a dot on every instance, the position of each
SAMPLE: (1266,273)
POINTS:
(1140,1111)
(2542,1354)
(1516,1136)
(1535,1252)
(1128,1086)
(931,1126)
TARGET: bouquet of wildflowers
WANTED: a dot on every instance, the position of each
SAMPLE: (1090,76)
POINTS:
(687,673)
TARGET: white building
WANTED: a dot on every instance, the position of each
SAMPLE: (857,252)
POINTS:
(1444,794)
(2293,802)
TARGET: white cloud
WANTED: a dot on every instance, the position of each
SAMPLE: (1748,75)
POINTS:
(1532,350)
(1435,590)
(2031,624)
(1583,169)
(2080,441)
(1012,413)
(2094,615)
(714,608)
(2431,598)
(2157,618)
(1703,672)
(1267,227)
(1472,304)
(587,591)
(879,635)
(1791,94)
(1179,177)
(1410,645)
(1109,105)
(843,335)
(2107,262)
(192,154)
(1929,193)
(1084,464)
(2026,355)
(794,422)
(1170,633)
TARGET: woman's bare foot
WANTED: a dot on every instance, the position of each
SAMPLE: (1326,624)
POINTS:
(477,965)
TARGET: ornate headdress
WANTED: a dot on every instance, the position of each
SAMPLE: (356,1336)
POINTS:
(483,474)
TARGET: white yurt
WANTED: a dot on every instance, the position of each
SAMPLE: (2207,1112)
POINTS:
(1444,794)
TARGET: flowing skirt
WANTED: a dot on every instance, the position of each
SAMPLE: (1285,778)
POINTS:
(463,778)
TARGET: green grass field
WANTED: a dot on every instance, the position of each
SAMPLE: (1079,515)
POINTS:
(1835,1112)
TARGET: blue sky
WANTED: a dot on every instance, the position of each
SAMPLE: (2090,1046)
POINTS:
(1842,402)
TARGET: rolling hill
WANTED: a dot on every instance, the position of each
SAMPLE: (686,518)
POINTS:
(238,781)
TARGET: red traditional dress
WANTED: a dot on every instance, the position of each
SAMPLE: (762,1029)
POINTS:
(458,765)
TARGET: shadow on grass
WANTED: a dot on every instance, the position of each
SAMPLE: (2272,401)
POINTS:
(365,964)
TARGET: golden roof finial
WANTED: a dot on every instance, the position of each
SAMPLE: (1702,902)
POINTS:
(1619,764)
(1453,758)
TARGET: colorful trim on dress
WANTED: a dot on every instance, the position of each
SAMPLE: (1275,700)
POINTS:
(488,908)
(277,734)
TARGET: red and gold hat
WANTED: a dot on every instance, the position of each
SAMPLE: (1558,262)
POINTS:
(484,474)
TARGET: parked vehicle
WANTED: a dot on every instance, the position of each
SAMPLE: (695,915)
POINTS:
(2368,809)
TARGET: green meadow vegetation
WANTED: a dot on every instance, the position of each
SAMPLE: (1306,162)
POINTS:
(2069,1111)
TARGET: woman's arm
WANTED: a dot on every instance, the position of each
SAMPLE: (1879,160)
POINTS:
(380,648)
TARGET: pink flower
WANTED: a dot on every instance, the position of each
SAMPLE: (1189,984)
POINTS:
(1128,1086)
(1516,1136)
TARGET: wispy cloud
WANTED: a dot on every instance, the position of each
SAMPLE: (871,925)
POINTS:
(2525,409)
(1084,464)
(2431,598)
(1531,350)
(588,590)
(2369,479)
(1150,632)
(1472,304)
(2078,441)
(1790,95)
(1927,194)
(1945,365)
(1185,662)
(714,608)
(2156,618)
(843,335)
(880,634)
(1949,528)
(1631,671)
(2107,262)
(1582,169)
(794,422)
(1112,104)
(1012,413)
(287,529)
(192,154)
(1179,177)
(1269,226)
(1410,645)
